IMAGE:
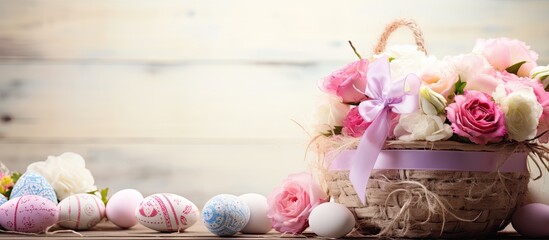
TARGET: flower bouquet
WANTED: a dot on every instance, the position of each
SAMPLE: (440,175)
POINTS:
(416,146)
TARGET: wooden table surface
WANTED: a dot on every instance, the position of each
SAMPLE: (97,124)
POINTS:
(107,230)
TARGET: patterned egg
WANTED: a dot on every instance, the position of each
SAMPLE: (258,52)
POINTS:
(81,211)
(28,213)
(32,183)
(166,212)
(225,215)
(3,199)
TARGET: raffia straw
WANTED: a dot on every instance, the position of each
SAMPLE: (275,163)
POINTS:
(391,27)
(434,204)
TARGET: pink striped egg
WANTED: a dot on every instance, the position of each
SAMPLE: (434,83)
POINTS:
(81,211)
(28,213)
(166,212)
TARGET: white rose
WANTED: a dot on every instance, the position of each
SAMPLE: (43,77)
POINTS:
(522,111)
(329,114)
(418,126)
(67,173)
(406,59)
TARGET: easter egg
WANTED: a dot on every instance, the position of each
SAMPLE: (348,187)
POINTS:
(225,215)
(121,207)
(166,212)
(81,211)
(531,220)
(259,223)
(331,220)
(32,183)
(28,213)
(3,199)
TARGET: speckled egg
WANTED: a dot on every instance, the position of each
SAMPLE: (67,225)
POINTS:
(81,211)
(28,213)
(32,183)
(166,212)
(225,215)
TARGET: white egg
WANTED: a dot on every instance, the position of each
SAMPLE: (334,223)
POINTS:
(121,207)
(166,212)
(259,222)
(81,211)
(331,220)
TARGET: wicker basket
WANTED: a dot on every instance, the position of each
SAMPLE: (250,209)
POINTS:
(428,203)
(434,204)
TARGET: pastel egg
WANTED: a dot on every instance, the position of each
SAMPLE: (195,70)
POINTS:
(121,207)
(531,220)
(32,183)
(3,199)
(331,220)
(81,211)
(29,214)
(166,212)
(259,223)
(225,215)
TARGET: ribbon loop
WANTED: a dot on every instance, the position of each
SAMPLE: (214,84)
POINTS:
(399,96)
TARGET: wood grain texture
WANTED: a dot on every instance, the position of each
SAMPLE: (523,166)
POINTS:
(247,30)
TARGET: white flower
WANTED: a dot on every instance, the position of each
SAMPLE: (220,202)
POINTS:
(406,59)
(476,71)
(431,102)
(67,173)
(418,126)
(541,73)
(329,114)
(441,77)
(522,111)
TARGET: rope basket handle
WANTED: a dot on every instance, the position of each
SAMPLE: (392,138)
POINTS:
(394,25)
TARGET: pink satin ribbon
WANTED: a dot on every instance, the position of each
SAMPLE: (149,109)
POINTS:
(438,160)
(385,95)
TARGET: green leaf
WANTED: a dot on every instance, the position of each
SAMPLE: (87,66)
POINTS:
(460,87)
(515,67)
(104,194)
(391,59)
(335,131)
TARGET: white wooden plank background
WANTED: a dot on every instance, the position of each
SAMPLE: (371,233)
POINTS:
(202,94)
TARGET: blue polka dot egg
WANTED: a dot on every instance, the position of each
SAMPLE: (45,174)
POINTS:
(225,215)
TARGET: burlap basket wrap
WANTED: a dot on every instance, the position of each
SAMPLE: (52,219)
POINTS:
(429,203)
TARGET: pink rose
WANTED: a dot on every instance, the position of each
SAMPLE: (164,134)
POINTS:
(291,203)
(349,82)
(354,124)
(474,116)
(504,52)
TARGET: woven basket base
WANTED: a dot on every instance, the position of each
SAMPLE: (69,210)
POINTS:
(436,204)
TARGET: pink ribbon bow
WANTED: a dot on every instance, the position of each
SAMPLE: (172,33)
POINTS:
(399,96)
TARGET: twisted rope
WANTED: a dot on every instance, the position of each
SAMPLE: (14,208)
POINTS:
(391,27)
